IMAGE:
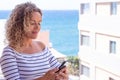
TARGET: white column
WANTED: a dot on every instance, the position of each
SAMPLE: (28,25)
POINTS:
(92,72)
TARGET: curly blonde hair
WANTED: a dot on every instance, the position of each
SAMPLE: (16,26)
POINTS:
(18,23)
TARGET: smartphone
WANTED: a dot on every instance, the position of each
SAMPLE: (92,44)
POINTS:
(61,66)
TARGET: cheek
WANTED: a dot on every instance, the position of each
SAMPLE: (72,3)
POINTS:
(30,28)
(27,33)
(39,28)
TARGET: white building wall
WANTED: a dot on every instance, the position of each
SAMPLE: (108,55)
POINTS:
(102,28)
(103,8)
(118,9)
(100,65)
(102,42)
(105,75)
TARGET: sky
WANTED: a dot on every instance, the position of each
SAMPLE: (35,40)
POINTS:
(43,4)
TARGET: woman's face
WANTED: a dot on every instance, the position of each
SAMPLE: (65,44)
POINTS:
(35,25)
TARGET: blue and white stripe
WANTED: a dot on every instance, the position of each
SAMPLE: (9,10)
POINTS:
(21,66)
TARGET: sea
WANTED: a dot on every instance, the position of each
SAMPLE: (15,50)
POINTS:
(63,29)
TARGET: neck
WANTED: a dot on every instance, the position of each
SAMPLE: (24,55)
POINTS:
(28,43)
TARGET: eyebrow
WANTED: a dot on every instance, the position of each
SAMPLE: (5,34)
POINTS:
(35,21)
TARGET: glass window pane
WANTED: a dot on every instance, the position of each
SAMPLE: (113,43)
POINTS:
(112,47)
(85,70)
(84,40)
(85,8)
(113,8)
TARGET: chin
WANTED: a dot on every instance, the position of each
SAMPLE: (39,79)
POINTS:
(34,37)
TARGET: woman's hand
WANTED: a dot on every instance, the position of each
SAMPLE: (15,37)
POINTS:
(50,75)
(62,74)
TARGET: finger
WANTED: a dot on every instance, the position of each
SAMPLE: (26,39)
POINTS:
(54,70)
(57,77)
(64,70)
(63,75)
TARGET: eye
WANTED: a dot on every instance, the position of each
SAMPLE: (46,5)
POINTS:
(33,23)
(39,23)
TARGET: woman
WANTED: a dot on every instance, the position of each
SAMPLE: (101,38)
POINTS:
(23,58)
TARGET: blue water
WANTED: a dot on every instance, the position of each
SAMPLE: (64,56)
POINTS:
(62,25)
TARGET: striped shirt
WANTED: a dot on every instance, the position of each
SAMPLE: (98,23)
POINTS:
(21,66)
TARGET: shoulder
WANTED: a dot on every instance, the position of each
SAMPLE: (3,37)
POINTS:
(8,50)
(41,44)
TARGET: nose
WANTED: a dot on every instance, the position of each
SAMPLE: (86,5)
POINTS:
(37,26)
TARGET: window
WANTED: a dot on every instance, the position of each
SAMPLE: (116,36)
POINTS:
(112,47)
(111,78)
(85,71)
(85,40)
(85,8)
(114,8)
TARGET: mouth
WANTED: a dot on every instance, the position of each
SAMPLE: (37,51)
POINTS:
(35,32)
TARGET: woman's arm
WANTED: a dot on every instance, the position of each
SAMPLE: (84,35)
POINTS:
(9,66)
(50,75)
(63,73)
